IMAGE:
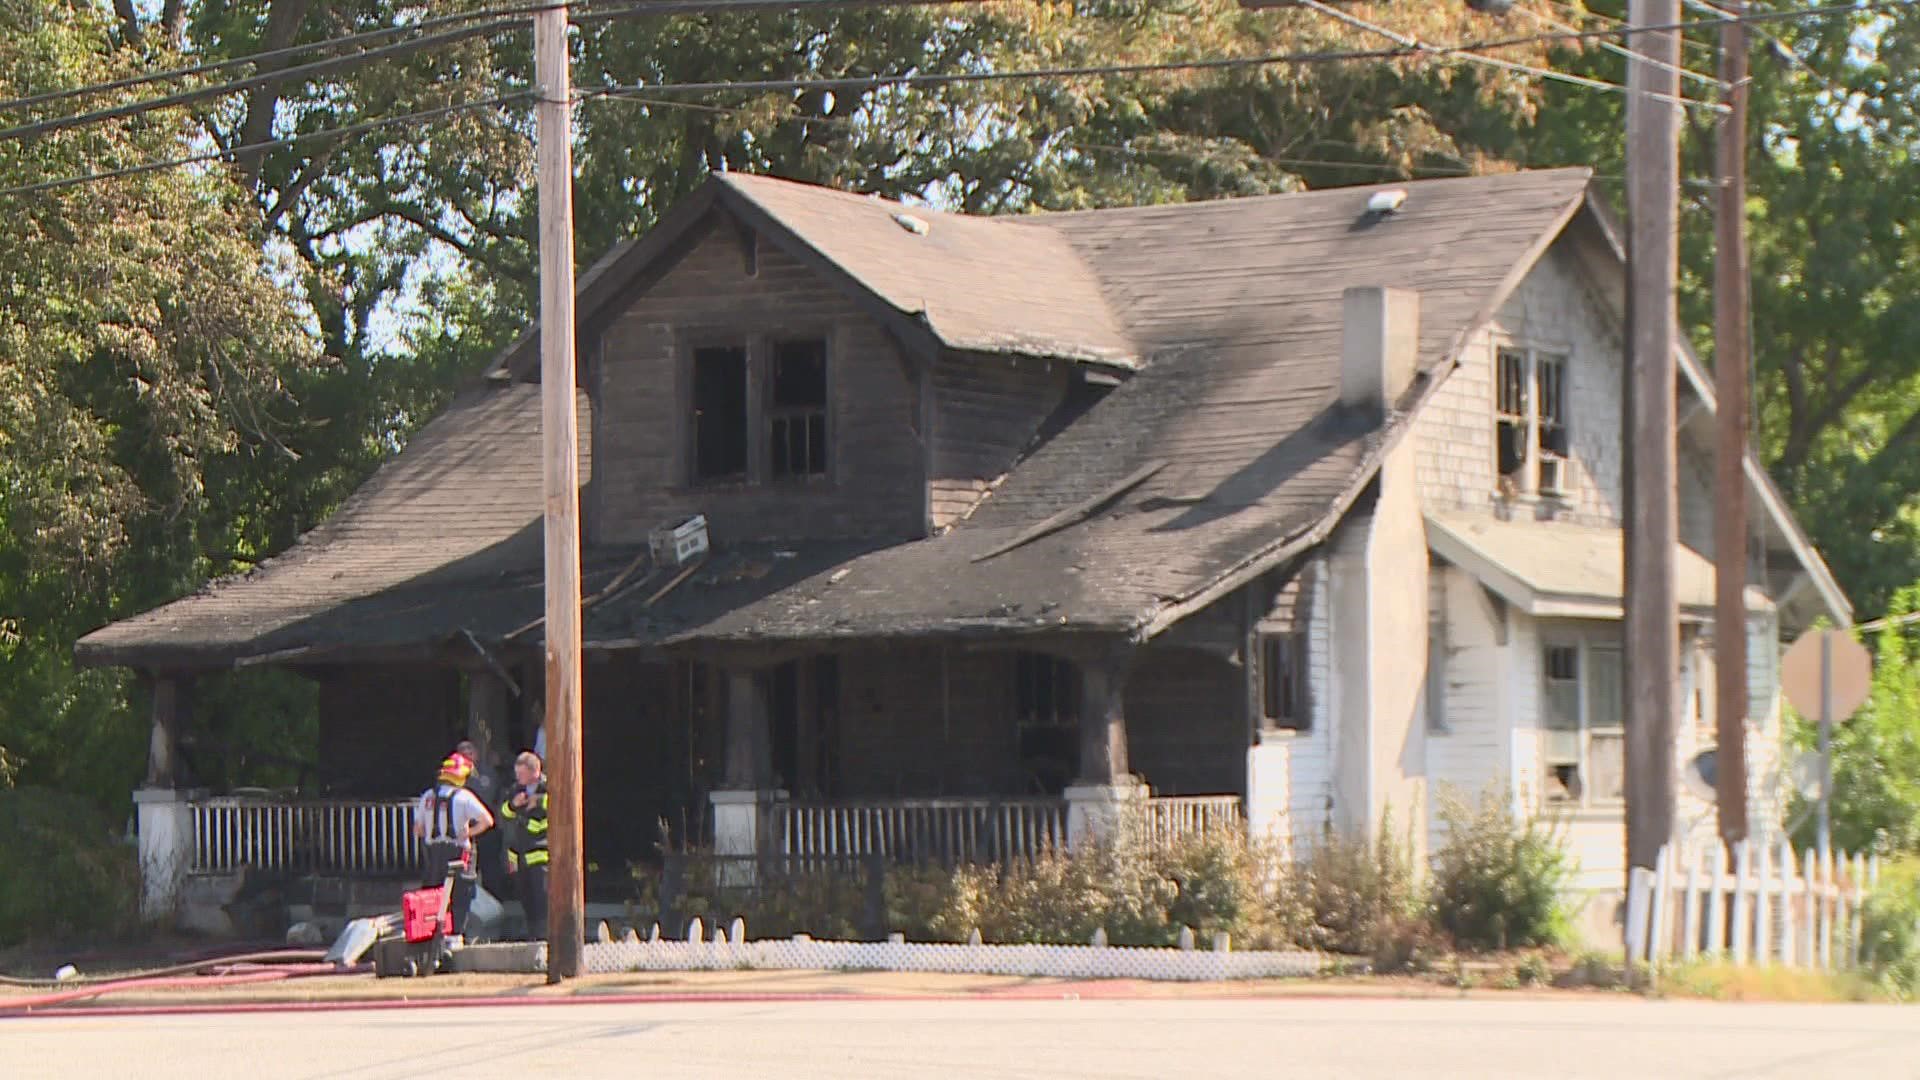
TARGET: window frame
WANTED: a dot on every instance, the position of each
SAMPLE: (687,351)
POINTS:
(1536,423)
(772,413)
(1586,727)
(1290,651)
(760,347)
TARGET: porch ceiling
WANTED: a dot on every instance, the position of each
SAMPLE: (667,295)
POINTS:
(1555,569)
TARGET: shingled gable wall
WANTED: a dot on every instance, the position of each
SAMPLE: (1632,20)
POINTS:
(1490,734)
(642,397)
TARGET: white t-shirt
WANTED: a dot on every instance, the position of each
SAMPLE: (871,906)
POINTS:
(466,810)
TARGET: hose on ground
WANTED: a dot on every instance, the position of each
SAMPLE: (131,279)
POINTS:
(241,977)
(271,956)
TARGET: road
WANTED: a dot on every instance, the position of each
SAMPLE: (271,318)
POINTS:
(1562,1038)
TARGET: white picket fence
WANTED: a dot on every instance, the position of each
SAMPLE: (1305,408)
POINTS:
(1767,907)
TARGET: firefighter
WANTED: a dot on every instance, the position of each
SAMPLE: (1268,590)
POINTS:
(525,813)
(448,818)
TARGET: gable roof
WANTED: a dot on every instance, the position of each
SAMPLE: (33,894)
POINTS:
(1223,456)
(455,514)
(1238,305)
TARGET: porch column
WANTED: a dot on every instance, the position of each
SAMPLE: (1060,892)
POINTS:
(487,717)
(1105,790)
(740,807)
(164,814)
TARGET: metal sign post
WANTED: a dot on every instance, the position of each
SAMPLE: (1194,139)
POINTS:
(1826,675)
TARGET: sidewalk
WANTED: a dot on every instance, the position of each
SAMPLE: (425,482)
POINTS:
(746,985)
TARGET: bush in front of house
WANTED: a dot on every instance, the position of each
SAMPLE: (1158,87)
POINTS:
(1140,893)
(1497,879)
(65,873)
(1359,897)
(1890,929)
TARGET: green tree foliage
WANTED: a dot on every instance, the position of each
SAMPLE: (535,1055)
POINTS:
(142,410)
(1876,753)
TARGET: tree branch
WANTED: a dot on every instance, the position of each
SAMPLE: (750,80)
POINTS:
(283,24)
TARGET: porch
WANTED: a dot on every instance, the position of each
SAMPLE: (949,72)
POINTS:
(911,752)
(373,839)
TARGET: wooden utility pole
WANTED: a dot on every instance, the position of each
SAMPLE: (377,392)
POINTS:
(1731,350)
(560,454)
(1653,254)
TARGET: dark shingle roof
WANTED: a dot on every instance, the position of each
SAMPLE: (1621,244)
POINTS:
(454,516)
(1239,306)
(1234,307)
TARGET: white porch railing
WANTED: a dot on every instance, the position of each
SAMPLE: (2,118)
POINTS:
(1768,907)
(947,831)
(978,830)
(1175,816)
(344,838)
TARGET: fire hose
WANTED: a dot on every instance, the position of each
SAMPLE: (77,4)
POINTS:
(238,970)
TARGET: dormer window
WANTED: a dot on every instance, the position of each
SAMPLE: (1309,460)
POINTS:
(1530,421)
(797,410)
(759,411)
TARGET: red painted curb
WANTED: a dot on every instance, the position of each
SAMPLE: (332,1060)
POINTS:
(1071,992)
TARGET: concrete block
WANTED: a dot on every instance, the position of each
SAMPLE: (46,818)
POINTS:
(502,958)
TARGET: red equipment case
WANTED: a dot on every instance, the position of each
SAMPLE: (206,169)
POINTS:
(421,909)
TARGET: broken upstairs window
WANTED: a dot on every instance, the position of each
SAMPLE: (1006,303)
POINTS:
(1530,421)
(719,414)
(797,410)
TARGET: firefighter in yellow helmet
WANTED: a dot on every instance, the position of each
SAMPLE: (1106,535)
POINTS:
(524,815)
(448,817)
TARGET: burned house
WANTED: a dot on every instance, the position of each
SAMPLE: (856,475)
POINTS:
(1295,509)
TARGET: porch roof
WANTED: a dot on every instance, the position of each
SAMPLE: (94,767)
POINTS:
(1555,569)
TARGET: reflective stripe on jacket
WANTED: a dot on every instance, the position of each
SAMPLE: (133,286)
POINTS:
(527,826)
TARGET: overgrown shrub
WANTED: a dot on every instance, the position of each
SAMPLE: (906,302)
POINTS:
(1139,893)
(821,901)
(1497,879)
(1358,897)
(64,872)
(1890,929)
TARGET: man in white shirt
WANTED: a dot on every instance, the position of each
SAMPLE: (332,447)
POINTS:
(448,817)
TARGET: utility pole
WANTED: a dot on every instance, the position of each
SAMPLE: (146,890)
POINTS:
(1731,350)
(1652,613)
(560,455)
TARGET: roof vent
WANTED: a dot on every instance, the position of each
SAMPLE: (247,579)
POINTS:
(1386,202)
(914,225)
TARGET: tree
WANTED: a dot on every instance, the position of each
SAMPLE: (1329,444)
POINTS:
(134,400)
(1876,753)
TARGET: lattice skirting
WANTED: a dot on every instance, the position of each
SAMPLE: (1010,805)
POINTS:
(1055,961)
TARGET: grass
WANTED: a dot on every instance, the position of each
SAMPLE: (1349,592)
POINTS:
(1719,981)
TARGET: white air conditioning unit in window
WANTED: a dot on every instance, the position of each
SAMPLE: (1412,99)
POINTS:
(1553,475)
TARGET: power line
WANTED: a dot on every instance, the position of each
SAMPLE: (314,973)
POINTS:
(665,7)
(271,144)
(1621,50)
(215,66)
(871,82)
(1464,52)
(505,18)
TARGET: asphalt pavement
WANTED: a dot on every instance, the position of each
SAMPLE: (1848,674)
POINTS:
(1562,1038)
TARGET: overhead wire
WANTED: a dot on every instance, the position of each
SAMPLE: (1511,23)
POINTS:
(1401,51)
(1621,50)
(1467,53)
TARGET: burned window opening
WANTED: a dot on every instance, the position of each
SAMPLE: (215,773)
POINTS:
(719,414)
(1047,704)
(1283,681)
(797,410)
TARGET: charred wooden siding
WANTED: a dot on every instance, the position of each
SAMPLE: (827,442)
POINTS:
(923,721)
(876,480)
(986,410)
(1186,731)
(384,729)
